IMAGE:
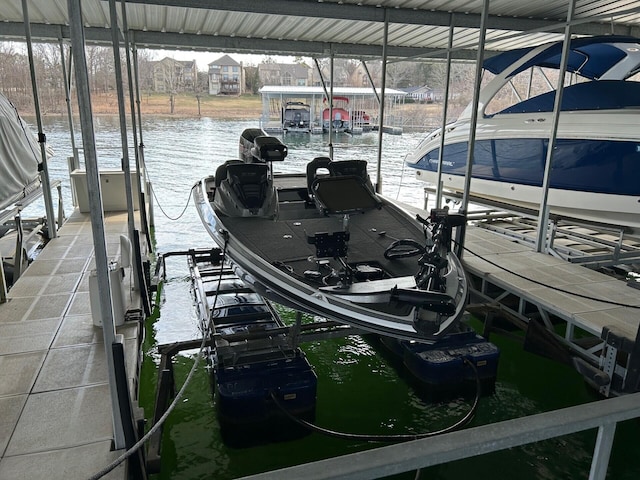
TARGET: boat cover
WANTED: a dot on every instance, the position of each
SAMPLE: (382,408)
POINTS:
(19,156)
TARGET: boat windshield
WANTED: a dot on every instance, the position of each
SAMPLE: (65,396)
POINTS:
(610,64)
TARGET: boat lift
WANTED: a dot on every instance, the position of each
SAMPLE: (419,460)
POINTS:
(590,244)
(205,268)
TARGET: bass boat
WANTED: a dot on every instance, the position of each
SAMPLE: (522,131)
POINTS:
(595,170)
(296,117)
(325,243)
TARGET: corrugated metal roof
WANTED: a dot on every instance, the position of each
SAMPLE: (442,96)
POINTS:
(352,28)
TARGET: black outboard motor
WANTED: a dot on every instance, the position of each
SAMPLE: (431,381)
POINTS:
(257,146)
(247,139)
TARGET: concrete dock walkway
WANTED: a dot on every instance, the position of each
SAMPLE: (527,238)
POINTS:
(55,408)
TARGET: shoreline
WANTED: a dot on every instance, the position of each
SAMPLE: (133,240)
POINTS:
(245,107)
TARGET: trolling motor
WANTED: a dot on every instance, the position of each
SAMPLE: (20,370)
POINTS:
(430,295)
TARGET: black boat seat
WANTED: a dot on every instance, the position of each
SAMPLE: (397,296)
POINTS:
(312,172)
(221,171)
(343,195)
(250,183)
(351,167)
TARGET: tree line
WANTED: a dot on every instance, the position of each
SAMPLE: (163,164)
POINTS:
(15,76)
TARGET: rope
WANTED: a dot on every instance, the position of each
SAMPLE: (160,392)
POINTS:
(153,192)
(389,437)
(401,180)
(156,426)
(178,396)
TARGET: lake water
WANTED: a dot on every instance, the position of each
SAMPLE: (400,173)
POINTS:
(359,390)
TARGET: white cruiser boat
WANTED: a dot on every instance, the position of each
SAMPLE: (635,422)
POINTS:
(595,172)
(324,243)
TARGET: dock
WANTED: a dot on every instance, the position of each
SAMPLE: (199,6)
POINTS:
(591,313)
(53,361)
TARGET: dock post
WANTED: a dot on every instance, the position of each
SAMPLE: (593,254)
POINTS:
(602,452)
(52,229)
(3,283)
(136,460)
(95,208)
(632,379)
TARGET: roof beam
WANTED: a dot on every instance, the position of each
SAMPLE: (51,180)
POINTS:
(370,13)
(42,32)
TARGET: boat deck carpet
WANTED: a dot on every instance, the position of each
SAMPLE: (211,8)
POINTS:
(371,233)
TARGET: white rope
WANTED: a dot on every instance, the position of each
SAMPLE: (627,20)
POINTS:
(163,418)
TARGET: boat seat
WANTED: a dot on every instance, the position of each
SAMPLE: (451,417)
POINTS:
(221,171)
(351,167)
(249,182)
(343,195)
(312,172)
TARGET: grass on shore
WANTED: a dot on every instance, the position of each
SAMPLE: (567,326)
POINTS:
(224,107)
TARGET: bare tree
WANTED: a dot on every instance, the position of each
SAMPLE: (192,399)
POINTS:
(14,76)
(252,79)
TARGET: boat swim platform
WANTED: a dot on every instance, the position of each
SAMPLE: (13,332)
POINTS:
(55,404)
(508,278)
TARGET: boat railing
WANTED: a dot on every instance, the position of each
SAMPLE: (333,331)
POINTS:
(414,455)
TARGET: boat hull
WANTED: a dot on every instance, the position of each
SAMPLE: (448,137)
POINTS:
(296,118)
(272,255)
(594,177)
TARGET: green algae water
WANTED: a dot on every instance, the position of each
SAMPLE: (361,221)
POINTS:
(360,390)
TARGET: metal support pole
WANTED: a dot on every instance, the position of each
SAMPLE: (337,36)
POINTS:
(61,215)
(143,165)
(445,107)
(131,226)
(373,85)
(3,283)
(331,106)
(324,86)
(95,205)
(383,87)
(474,111)
(543,217)
(460,232)
(66,80)
(42,140)
(137,83)
(140,169)
(602,452)
(18,256)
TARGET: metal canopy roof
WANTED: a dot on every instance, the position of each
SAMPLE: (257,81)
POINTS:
(346,28)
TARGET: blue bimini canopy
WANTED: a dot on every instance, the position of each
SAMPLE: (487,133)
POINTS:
(590,57)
